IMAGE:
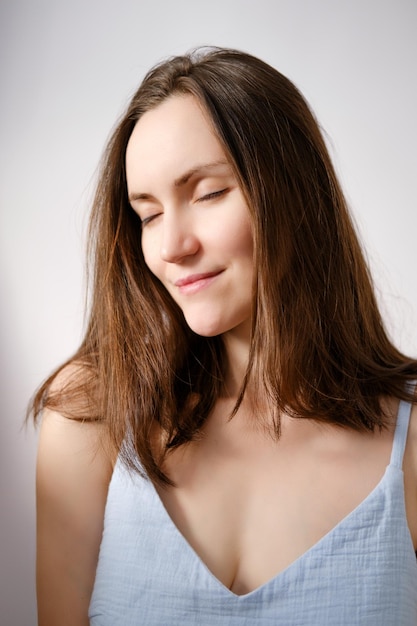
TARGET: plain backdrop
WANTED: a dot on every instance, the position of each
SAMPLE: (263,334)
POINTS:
(67,72)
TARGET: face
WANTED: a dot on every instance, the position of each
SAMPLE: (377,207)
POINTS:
(196,232)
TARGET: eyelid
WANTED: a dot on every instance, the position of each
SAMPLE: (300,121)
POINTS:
(142,206)
(148,219)
(213,194)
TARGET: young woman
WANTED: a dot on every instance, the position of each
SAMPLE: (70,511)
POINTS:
(235,441)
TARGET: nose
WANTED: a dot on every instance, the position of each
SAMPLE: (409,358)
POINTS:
(178,239)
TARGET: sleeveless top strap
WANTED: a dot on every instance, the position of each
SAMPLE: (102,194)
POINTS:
(400,435)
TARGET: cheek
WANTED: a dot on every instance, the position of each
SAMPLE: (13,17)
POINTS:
(241,239)
(149,256)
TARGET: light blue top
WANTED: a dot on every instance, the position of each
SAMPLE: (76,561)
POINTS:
(364,571)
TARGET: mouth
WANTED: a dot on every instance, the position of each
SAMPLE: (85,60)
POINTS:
(195,282)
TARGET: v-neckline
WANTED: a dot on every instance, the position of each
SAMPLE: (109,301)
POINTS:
(294,564)
(394,465)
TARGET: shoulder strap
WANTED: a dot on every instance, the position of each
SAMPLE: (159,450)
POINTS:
(400,434)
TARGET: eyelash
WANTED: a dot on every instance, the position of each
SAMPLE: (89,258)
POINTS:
(212,195)
(146,220)
(207,197)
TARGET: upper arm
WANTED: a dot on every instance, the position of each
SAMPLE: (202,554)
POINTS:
(73,474)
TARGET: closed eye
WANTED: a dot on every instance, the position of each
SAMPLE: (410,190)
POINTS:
(207,197)
(213,195)
(147,220)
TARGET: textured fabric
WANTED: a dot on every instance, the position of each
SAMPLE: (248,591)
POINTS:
(364,571)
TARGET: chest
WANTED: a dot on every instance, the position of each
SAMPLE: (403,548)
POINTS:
(249,511)
(148,574)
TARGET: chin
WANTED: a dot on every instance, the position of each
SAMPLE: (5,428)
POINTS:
(203,332)
(205,329)
(212,326)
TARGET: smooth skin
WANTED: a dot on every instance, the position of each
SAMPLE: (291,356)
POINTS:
(247,504)
(73,474)
(196,232)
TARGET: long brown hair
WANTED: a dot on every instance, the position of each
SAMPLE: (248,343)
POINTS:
(318,348)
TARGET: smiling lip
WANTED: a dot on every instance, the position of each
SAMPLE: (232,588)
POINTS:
(195,282)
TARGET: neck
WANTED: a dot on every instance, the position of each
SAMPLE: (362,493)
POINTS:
(237,345)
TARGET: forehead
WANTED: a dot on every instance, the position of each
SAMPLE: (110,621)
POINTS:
(172,138)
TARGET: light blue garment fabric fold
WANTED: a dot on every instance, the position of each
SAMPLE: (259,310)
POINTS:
(363,572)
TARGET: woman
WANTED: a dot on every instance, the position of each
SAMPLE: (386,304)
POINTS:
(236,386)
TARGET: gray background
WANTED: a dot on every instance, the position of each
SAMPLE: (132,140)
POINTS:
(67,71)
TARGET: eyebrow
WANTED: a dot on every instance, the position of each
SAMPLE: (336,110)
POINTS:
(184,178)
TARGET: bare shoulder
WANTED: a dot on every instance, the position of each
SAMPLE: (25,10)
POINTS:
(73,474)
(71,446)
(71,455)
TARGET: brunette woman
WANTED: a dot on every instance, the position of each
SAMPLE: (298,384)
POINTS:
(235,441)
